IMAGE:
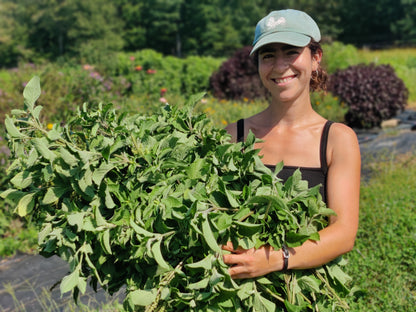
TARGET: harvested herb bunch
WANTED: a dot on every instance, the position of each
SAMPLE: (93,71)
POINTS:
(146,202)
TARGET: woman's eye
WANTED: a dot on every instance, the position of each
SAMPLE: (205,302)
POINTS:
(293,52)
(267,56)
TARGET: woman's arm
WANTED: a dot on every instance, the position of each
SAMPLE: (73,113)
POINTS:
(343,186)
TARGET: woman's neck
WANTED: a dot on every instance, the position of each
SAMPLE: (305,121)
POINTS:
(291,114)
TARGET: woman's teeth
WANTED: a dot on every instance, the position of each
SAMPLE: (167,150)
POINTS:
(283,80)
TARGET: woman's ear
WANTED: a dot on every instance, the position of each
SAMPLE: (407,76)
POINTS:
(316,59)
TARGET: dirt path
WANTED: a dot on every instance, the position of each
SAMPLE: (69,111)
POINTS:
(31,283)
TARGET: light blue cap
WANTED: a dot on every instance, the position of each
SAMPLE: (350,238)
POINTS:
(286,26)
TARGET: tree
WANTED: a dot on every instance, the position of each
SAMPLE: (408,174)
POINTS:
(96,25)
(405,28)
(369,22)
(134,32)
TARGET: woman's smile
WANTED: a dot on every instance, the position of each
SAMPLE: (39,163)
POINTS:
(283,80)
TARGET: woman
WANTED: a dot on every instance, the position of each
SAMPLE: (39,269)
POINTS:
(288,56)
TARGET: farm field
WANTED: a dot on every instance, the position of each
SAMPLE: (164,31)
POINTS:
(382,263)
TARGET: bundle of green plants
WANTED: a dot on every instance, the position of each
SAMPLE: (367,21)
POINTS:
(373,93)
(147,201)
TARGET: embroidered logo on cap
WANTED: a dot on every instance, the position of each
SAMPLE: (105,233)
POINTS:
(271,23)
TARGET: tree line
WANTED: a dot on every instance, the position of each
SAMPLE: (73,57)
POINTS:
(53,29)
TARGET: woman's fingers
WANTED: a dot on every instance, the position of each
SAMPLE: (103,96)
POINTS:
(229,247)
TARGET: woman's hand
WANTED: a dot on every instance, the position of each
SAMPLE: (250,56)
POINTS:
(249,263)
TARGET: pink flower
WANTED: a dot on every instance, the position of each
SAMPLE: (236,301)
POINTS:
(87,67)
(163,100)
(138,68)
(132,58)
(151,71)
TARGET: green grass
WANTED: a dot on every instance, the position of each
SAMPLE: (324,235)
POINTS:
(383,261)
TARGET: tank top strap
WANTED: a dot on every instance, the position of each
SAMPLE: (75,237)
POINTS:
(324,143)
(240,130)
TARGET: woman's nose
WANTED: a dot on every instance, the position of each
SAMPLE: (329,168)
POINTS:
(280,63)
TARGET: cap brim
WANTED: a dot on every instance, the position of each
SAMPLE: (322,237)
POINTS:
(292,38)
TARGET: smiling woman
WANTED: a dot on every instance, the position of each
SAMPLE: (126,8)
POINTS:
(288,55)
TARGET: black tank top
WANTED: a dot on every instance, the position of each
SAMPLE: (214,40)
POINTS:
(314,175)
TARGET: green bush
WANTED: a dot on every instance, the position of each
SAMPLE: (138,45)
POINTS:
(339,56)
(373,93)
(329,106)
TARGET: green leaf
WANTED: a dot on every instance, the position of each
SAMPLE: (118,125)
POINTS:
(76,219)
(25,205)
(262,304)
(292,307)
(209,236)
(22,180)
(106,241)
(31,92)
(36,111)
(205,263)
(233,202)
(12,194)
(195,169)
(157,254)
(248,229)
(99,219)
(12,130)
(67,157)
(100,173)
(142,298)
(70,281)
(109,203)
(310,283)
(200,284)
(41,145)
(53,135)
(140,230)
(53,194)
(82,284)
(264,280)
(85,184)
(337,273)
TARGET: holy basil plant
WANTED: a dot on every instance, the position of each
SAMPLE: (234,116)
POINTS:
(145,202)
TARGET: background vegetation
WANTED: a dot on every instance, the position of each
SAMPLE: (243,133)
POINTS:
(90,29)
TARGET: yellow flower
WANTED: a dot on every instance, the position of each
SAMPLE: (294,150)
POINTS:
(49,126)
(224,122)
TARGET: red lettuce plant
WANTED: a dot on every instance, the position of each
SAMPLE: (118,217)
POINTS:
(372,92)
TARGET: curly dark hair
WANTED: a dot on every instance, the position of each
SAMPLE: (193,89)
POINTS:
(319,77)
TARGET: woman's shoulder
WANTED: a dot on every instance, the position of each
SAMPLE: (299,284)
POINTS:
(340,132)
(343,142)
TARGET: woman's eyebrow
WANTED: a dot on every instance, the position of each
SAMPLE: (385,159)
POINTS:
(289,47)
(267,50)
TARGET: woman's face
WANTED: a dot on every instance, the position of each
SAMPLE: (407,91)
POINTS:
(286,70)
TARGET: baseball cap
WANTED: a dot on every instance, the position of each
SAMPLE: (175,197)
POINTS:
(286,26)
